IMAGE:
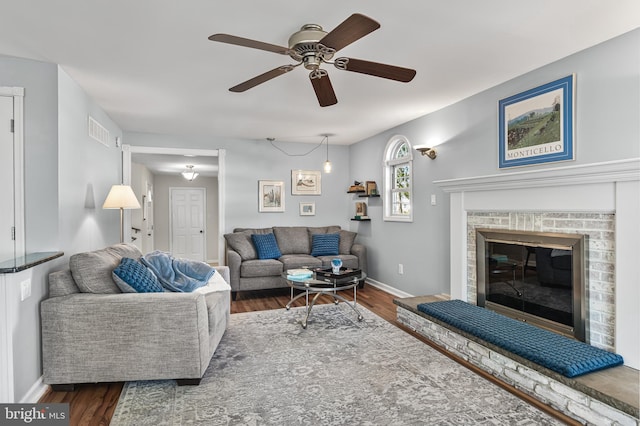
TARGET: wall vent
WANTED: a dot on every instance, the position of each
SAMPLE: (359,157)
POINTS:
(98,132)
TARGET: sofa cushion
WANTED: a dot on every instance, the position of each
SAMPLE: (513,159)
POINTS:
(297,261)
(260,268)
(92,270)
(312,230)
(132,276)
(266,246)
(292,239)
(325,244)
(241,243)
(346,241)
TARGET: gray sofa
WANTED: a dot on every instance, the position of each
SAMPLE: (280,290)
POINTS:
(91,332)
(247,272)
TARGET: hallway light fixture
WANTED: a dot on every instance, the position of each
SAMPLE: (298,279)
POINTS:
(426,151)
(189,174)
(121,197)
(327,164)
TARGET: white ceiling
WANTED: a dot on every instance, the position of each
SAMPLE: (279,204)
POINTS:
(150,66)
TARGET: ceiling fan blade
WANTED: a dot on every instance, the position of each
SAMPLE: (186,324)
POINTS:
(262,78)
(391,72)
(240,41)
(323,88)
(351,29)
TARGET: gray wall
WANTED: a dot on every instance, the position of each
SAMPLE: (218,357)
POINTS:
(607,128)
(61,164)
(39,80)
(162,208)
(247,162)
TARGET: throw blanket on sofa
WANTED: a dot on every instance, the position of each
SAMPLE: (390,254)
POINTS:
(180,275)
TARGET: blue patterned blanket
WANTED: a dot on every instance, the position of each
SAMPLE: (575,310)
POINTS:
(561,354)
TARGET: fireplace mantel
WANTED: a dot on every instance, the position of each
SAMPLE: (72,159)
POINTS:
(612,187)
(606,172)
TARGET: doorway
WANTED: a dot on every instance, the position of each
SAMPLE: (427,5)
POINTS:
(214,240)
(188,230)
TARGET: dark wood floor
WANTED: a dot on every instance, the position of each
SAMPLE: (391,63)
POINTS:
(94,404)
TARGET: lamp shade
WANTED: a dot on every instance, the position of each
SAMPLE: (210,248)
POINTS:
(121,197)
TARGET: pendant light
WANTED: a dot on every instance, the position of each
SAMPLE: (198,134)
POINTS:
(327,164)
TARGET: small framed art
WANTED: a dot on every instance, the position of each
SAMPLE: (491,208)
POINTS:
(307,209)
(536,126)
(270,196)
(306,182)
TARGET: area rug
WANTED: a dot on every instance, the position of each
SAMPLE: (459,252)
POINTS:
(268,370)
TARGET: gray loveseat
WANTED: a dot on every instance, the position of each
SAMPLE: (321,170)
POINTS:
(247,272)
(91,332)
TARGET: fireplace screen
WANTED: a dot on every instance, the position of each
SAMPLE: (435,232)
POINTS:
(533,277)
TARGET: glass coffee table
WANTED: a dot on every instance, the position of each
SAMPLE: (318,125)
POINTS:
(318,287)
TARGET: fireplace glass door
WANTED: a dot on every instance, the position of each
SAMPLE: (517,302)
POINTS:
(533,277)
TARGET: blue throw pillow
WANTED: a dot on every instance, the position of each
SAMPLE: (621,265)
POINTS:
(266,246)
(132,276)
(325,244)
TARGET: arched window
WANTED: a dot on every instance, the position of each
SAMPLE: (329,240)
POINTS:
(398,180)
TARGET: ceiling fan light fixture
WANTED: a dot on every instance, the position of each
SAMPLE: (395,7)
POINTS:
(190,174)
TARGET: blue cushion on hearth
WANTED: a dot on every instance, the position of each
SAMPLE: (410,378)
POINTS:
(561,354)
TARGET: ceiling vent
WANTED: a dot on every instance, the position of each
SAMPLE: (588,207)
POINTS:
(98,132)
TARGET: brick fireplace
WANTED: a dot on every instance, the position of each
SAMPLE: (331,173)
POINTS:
(599,200)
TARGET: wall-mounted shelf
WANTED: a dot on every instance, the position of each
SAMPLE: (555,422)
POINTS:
(361,220)
(356,192)
(368,196)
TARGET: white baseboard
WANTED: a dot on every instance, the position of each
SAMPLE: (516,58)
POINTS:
(34,394)
(388,288)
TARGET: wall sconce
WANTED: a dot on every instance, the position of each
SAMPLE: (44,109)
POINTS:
(426,151)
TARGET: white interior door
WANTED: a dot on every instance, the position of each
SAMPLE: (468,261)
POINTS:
(187,223)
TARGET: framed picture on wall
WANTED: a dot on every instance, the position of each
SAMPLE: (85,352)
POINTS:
(536,126)
(270,196)
(306,182)
(307,209)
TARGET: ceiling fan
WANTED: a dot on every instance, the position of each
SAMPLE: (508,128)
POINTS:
(312,47)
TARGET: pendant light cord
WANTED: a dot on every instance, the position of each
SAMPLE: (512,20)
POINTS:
(272,140)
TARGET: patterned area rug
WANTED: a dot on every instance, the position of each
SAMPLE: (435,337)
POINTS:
(269,371)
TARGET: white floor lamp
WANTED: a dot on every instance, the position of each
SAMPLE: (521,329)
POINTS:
(121,197)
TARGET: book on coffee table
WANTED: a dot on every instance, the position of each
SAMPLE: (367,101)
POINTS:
(328,273)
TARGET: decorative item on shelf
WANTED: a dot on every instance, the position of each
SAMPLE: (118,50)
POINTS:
(427,151)
(361,211)
(121,197)
(190,174)
(371,188)
(356,187)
